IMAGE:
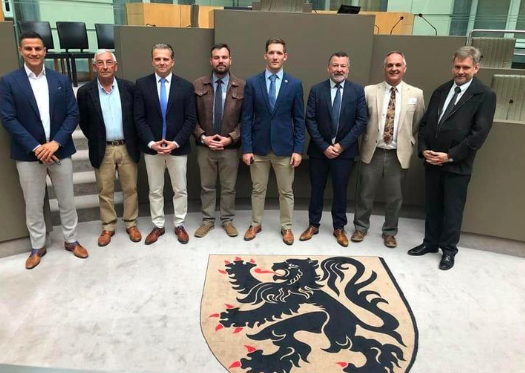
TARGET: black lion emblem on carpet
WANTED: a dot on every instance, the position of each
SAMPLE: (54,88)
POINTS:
(296,284)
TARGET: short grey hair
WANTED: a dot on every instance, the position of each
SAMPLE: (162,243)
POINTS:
(395,52)
(163,46)
(468,52)
(102,51)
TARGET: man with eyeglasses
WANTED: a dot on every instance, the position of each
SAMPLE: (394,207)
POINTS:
(106,119)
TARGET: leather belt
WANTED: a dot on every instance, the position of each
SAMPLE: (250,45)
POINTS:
(116,142)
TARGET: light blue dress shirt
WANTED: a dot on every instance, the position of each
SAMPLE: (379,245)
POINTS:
(278,81)
(111,111)
(224,89)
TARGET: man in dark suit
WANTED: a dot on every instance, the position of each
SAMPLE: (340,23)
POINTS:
(455,126)
(106,119)
(164,111)
(336,115)
(38,108)
(272,135)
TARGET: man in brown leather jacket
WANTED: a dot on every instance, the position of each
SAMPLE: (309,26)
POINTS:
(217,135)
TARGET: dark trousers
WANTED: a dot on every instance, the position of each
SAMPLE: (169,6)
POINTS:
(340,170)
(446,194)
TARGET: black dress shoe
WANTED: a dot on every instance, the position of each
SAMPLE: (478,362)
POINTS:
(422,250)
(447,262)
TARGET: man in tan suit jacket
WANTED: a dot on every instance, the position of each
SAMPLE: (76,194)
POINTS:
(395,109)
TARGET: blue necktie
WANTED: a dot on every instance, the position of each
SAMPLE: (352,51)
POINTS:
(217,108)
(336,109)
(163,105)
(272,94)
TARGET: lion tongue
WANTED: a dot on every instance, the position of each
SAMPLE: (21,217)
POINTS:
(262,271)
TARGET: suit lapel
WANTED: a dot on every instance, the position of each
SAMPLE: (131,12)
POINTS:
(327,92)
(52,86)
(94,94)
(262,87)
(171,96)
(282,92)
(346,98)
(443,98)
(154,92)
(123,99)
(25,86)
(405,94)
(380,98)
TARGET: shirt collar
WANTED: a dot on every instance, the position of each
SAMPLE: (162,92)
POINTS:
(31,74)
(168,78)
(280,74)
(102,88)
(332,84)
(463,87)
(225,79)
(398,87)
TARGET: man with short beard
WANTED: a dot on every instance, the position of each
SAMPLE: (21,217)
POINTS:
(219,98)
(335,117)
(395,110)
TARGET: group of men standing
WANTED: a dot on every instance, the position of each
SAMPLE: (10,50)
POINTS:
(262,118)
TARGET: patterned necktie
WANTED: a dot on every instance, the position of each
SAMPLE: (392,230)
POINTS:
(272,94)
(217,108)
(336,110)
(388,133)
(163,105)
(451,104)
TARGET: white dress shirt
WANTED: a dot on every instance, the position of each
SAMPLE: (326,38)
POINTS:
(386,99)
(463,88)
(41,92)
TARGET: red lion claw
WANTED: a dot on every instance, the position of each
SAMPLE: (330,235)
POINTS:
(237,330)
(343,364)
(235,364)
(218,327)
(250,348)
(252,261)
(223,271)
(237,259)
(226,262)
(228,306)
(214,315)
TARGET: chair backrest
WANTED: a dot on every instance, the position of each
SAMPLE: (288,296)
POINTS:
(105,35)
(72,35)
(41,28)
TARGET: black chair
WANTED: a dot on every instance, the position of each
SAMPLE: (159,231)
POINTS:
(44,30)
(105,35)
(73,35)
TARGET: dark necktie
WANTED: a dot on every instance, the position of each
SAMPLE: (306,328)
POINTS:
(217,108)
(388,133)
(163,105)
(272,94)
(336,110)
(451,104)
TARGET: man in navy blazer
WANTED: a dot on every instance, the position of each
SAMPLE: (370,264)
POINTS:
(272,135)
(165,116)
(336,115)
(38,108)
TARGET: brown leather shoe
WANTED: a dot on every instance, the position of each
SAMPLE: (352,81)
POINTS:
(358,236)
(77,249)
(340,236)
(287,236)
(308,233)
(204,228)
(105,238)
(181,234)
(252,232)
(389,240)
(134,234)
(230,229)
(154,235)
(34,258)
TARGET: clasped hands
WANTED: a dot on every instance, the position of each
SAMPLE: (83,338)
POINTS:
(295,159)
(435,158)
(216,142)
(46,152)
(164,146)
(333,151)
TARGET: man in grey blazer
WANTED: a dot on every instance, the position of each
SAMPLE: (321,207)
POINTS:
(395,110)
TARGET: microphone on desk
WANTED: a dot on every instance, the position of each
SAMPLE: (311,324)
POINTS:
(420,15)
(400,19)
(508,109)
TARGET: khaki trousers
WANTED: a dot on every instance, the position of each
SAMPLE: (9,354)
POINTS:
(156,167)
(33,181)
(223,164)
(284,173)
(116,158)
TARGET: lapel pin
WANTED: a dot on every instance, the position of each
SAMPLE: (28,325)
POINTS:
(286,81)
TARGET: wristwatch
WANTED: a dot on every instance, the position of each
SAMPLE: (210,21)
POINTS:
(450,160)
(202,139)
